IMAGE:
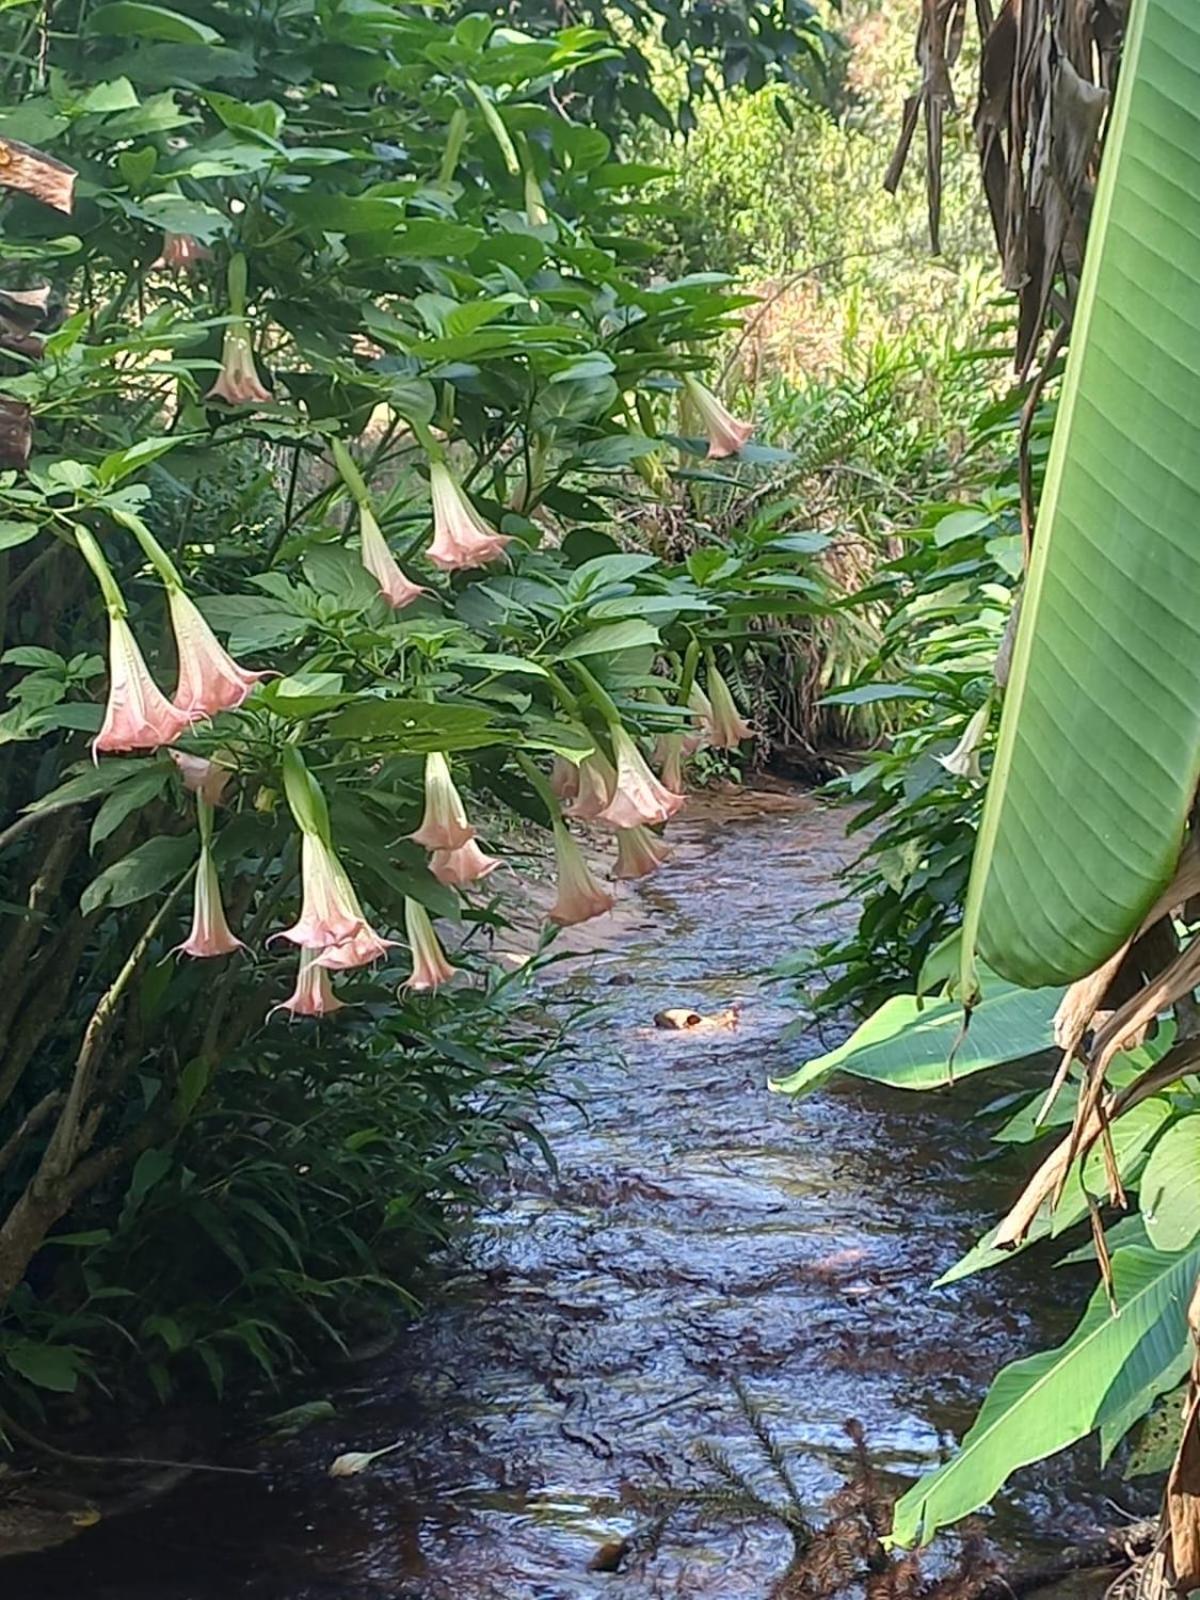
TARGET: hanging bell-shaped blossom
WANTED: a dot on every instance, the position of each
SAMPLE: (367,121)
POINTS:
(430,966)
(461,538)
(397,589)
(597,779)
(313,995)
(639,799)
(444,825)
(726,435)
(238,382)
(180,252)
(564,778)
(210,680)
(466,865)
(200,776)
(138,715)
(701,708)
(329,913)
(728,728)
(639,853)
(364,947)
(210,935)
(668,758)
(963,760)
(580,897)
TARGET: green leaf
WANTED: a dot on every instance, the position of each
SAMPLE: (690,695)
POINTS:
(15,533)
(613,636)
(418,726)
(137,791)
(142,872)
(1099,748)
(150,22)
(907,1044)
(49,1366)
(1046,1402)
(1170,1188)
(1132,1134)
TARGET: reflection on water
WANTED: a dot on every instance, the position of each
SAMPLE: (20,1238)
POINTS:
(697,1228)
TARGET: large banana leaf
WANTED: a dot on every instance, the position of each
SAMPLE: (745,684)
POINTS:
(908,1043)
(1099,746)
(1108,1367)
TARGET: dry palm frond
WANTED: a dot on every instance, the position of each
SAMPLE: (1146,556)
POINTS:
(1047,72)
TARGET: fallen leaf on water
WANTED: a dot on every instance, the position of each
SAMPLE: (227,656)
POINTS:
(356,1461)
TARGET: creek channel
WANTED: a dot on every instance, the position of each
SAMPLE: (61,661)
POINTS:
(698,1231)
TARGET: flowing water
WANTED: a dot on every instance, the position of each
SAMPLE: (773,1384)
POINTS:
(698,1230)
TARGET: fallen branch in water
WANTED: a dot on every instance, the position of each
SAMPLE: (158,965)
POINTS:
(1120,1547)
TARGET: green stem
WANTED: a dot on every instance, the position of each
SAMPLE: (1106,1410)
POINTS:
(236,280)
(114,600)
(599,695)
(545,793)
(687,677)
(153,551)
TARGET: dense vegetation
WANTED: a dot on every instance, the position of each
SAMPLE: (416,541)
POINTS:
(359,376)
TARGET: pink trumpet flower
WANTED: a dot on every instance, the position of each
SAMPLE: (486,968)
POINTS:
(728,727)
(238,382)
(138,715)
(461,538)
(395,587)
(203,777)
(639,799)
(467,864)
(564,778)
(180,251)
(726,435)
(313,995)
(210,935)
(444,825)
(668,753)
(430,967)
(701,708)
(639,853)
(580,897)
(210,680)
(596,782)
(330,914)
(363,948)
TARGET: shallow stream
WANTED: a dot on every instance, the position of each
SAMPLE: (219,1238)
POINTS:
(699,1229)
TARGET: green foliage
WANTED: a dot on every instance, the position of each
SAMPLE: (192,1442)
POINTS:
(1103,682)
(384,236)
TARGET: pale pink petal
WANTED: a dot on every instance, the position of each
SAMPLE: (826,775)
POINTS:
(467,864)
(138,715)
(330,913)
(313,995)
(210,680)
(597,779)
(238,382)
(397,589)
(444,825)
(726,435)
(639,853)
(728,728)
(580,897)
(210,935)
(639,799)
(461,537)
(200,776)
(431,968)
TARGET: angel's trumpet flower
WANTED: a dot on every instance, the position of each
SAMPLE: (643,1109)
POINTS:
(444,825)
(639,853)
(580,897)
(461,538)
(467,864)
(726,435)
(431,968)
(639,799)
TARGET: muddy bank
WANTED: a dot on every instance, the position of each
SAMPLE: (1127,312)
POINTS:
(697,1230)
